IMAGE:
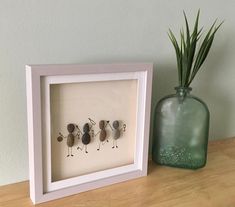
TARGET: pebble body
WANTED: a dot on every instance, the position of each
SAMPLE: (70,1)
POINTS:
(116,134)
(86,138)
(116,131)
(103,133)
(70,140)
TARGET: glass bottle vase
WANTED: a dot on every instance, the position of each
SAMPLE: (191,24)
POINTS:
(181,127)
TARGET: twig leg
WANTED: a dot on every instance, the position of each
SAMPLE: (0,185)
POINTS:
(68,152)
(81,148)
(98,147)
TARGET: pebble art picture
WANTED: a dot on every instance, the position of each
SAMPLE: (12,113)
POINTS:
(87,134)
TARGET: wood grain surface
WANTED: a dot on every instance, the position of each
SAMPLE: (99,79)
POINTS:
(212,186)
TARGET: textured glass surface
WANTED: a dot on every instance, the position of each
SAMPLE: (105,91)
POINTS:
(181,131)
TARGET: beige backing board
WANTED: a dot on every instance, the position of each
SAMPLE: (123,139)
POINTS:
(101,100)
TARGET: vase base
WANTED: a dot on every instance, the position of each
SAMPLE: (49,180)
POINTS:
(180,157)
(192,167)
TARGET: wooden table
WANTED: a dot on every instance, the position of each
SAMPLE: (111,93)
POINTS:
(214,186)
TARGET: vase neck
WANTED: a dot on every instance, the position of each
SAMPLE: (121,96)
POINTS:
(183,91)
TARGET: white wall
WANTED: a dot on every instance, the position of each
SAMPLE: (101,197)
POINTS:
(103,31)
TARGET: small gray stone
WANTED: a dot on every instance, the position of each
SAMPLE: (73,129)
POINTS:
(86,128)
(59,138)
(70,128)
(116,124)
(102,124)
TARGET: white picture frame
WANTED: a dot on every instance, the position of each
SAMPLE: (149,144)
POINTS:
(38,80)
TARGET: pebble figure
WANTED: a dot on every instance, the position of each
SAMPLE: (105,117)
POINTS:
(70,138)
(86,138)
(102,133)
(117,132)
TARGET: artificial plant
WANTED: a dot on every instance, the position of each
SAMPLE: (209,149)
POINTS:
(190,56)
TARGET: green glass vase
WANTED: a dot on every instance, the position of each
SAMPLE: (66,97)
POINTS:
(181,127)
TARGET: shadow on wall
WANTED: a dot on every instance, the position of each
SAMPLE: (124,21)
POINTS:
(212,89)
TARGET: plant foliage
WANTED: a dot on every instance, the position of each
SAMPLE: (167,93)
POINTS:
(189,55)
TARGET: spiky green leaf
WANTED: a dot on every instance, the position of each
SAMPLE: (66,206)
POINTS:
(188,62)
